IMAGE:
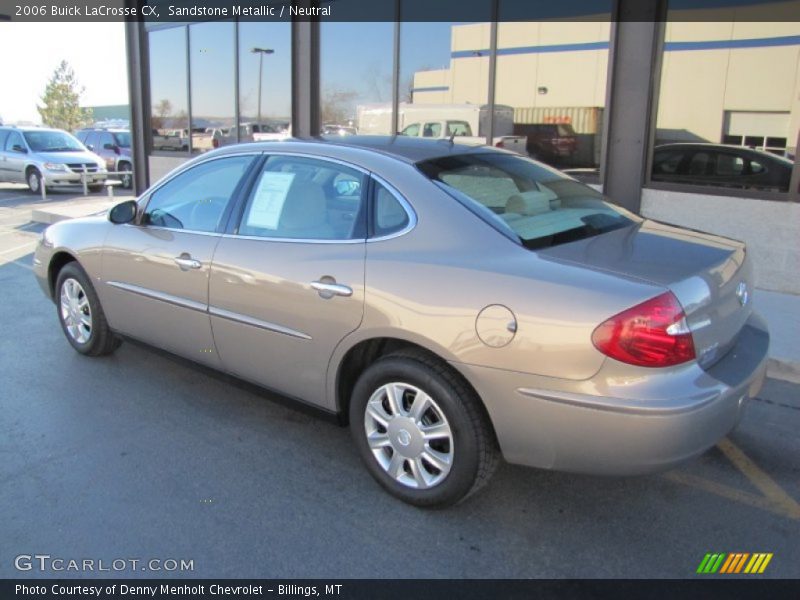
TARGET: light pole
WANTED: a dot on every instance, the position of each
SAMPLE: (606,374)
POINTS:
(261,52)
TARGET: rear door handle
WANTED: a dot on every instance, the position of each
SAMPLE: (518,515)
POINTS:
(329,290)
(185,262)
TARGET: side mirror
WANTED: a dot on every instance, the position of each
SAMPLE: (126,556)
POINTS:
(90,147)
(122,213)
(18,148)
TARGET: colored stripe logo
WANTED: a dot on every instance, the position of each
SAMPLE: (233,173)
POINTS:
(737,562)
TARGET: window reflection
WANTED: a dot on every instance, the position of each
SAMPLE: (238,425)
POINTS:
(168,81)
(265,77)
(727,106)
(552,74)
(356,83)
(444,74)
(211,49)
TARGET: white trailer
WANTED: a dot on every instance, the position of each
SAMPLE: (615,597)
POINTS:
(465,123)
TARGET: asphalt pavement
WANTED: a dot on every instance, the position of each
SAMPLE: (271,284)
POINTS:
(141,455)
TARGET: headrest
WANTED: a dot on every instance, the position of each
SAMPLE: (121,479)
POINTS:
(529,203)
(304,207)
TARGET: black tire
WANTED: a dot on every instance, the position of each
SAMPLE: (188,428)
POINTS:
(474,456)
(127,180)
(101,340)
(35,182)
(94,188)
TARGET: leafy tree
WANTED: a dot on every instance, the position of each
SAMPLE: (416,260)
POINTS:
(61,101)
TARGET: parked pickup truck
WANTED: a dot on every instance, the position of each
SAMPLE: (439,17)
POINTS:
(461,133)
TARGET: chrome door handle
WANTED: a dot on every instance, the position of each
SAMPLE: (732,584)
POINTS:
(187,262)
(329,290)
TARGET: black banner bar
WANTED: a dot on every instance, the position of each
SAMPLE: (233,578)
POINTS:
(397,589)
(156,12)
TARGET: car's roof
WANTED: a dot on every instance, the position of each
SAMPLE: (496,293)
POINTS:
(110,129)
(743,150)
(404,148)
(24,128)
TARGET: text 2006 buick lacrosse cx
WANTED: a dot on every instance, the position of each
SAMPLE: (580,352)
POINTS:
(451,303)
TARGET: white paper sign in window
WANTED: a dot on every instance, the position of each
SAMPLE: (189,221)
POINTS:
(269,198)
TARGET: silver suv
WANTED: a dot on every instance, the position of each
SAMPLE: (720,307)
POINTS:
(36,155)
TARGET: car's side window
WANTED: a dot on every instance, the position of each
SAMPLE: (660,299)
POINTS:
(389,216)
(305,199)
(412,130)
(105,138)
(90,141)
(196,199)
(432,130)
(14,139)
(3,135)
(667,163)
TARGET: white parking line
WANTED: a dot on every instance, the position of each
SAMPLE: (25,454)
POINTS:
(18,247)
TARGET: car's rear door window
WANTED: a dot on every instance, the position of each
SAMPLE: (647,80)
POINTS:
(304,198)
(529,202)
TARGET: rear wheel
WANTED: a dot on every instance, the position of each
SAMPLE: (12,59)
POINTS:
(421,430)
(80,314)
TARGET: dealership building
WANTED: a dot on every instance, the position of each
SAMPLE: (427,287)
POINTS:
(624,81)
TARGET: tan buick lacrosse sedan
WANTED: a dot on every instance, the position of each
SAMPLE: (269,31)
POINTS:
(450,303)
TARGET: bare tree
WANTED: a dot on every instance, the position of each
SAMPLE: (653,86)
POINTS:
(338,105)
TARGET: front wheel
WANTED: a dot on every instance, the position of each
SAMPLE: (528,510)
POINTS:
(34,180)
(80,314)
(421,430)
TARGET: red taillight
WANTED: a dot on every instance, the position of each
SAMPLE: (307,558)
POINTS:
(215,143)
(500,144)
(651,334)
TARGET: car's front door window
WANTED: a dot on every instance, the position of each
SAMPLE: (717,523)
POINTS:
(196,199)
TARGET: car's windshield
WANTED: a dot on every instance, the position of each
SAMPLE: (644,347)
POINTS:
(527,201)
(52,141)
(123,139)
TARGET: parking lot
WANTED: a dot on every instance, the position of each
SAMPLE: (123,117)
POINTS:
(141,455)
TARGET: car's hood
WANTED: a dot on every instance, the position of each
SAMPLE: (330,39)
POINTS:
(650,251)
(69,157)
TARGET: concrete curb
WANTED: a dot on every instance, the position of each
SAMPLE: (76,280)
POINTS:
(787,370)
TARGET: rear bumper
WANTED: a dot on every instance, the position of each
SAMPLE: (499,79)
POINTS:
(624,420)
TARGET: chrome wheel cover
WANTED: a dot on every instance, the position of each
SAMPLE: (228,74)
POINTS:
(409,435)
(75,311)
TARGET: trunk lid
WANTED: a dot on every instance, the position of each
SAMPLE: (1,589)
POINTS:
(711,276)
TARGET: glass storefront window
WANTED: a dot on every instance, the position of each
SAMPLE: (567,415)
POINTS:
(356,67)
(552,75)
(168,86)
(212,69)
(728,114)
(265,80)
(444,74)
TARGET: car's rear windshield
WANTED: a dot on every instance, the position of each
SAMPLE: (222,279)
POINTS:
(527,201)
(52,141)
